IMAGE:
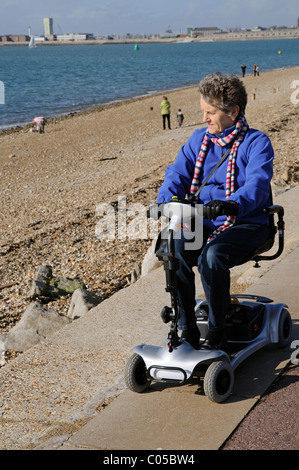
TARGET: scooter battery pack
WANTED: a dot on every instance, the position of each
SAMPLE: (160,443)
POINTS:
(244,322)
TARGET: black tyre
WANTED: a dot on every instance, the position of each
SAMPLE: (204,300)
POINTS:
(219,381)
(285,328)
(135,374)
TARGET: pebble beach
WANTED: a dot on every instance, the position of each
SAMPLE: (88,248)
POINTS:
(53,183)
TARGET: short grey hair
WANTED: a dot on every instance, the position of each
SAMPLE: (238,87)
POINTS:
(224,91)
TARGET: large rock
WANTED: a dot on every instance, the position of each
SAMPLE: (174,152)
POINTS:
(150,261)
(82,301)
(36,323)
(46,285)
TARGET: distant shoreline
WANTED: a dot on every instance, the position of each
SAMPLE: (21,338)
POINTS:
(156,41)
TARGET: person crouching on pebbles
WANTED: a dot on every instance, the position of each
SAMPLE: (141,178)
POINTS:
(39,123)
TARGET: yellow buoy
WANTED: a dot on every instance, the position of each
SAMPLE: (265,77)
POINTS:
(279,52)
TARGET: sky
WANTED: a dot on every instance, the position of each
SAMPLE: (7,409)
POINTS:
(102,17)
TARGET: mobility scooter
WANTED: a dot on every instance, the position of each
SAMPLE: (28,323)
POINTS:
(252,323)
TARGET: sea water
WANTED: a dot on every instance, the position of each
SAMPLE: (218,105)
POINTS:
(55,80)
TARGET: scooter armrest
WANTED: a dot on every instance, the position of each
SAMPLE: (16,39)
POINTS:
(275,209)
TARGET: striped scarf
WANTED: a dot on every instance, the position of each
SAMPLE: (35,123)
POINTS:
(237,135)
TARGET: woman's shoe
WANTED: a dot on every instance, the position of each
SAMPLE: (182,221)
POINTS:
(192,337)
(214,340)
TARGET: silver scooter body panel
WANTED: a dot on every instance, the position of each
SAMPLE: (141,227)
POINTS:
(178,365)
(268,335)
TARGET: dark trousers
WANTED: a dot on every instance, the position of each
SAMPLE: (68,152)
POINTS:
(232,247)
(166,117)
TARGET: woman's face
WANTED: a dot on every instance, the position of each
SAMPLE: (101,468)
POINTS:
(216,119)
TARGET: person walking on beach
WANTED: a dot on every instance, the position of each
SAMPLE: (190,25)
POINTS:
(165,111)
(243,68)
(256,70)
(180,117)
(234,198)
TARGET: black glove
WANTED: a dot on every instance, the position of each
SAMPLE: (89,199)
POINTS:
(214,209)
(154,211)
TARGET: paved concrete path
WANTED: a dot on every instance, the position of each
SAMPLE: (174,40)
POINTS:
(50,395)
(182,417)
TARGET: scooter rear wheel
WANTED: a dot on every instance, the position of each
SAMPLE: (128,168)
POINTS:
(219,381)
(135,374)
(284,329)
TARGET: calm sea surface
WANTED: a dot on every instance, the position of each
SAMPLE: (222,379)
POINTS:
(54,80)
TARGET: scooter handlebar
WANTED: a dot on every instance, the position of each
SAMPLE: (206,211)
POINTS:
(179,209)
(174,208)
(225,208)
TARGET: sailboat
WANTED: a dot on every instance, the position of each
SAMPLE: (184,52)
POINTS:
(32,41)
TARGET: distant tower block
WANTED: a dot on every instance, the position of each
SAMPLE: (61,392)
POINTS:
(48,27)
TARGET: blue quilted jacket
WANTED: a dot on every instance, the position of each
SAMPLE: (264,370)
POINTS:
(253,173)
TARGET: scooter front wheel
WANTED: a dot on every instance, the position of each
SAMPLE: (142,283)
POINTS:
(135,374)
(219,381)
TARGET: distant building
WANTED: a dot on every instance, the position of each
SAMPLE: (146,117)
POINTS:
(168,34)
(75,37)
(258,28)
(48,27)
(258,32)
(208,31)
(14,38)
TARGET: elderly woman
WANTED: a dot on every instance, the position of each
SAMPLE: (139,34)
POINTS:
(239,188)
